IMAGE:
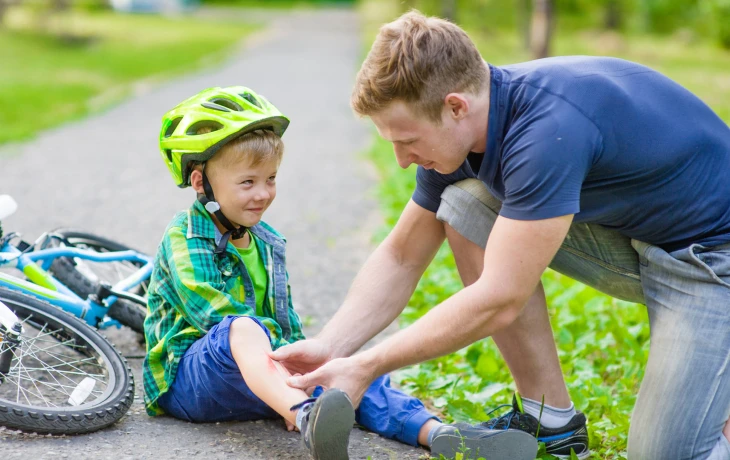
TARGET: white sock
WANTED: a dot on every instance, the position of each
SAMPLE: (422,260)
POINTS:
(301,413)
(552,417)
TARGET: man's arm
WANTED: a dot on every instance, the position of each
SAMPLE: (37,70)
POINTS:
(378,294)
(383,286)
(517,253)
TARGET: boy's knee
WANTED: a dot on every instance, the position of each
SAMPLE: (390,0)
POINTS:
(245,326)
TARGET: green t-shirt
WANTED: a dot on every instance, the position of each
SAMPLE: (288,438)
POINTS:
(257,271)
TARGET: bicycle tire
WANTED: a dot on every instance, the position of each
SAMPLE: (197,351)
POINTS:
(69,338)
(65,270)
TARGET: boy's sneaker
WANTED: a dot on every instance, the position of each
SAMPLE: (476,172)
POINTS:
(477,442)
(558,441)
(327,425)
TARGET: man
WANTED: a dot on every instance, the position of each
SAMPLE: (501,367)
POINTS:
(604,170)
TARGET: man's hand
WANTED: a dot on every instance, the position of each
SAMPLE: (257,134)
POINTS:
(303,356)
(348,374)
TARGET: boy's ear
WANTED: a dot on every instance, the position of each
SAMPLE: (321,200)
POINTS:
(196,180)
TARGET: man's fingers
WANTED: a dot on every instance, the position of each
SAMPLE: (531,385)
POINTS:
(281,354)
(304,381)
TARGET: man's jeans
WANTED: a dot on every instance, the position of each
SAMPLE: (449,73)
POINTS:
(684,400)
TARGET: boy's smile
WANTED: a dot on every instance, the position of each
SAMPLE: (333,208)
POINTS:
(243,191)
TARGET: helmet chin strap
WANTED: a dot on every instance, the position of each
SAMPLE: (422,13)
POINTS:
(212,206)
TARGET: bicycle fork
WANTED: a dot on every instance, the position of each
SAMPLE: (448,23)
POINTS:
(10,330)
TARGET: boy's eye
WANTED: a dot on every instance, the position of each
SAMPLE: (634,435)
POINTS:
(247,182)
(272,178)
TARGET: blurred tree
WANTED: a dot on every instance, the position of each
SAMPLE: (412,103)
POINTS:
(541,28)
(664,16)
(613,15)
(719,12)
(523,21)
(448,10)
(4,6)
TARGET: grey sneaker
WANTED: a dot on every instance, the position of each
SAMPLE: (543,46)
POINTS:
(481,442)
(327,425)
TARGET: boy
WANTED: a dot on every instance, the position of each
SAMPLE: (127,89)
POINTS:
(219,298)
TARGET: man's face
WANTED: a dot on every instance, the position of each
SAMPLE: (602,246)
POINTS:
(417,139)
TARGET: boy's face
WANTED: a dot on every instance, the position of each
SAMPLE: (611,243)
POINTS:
(244,192)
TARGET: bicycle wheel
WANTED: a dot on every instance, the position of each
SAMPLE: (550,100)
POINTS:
(83,276)
(64,377)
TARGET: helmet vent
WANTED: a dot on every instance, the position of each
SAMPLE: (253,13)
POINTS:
(168,154)
(227,103)
(171,129)
(203,127)
(252,99)
(213,106)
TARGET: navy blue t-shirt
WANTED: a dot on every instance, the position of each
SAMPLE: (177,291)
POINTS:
(611,141)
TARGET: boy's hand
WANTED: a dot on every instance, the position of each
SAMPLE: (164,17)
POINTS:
(290,426)
(303,356)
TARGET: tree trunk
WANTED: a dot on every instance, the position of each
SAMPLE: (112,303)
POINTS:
(523,21)
(3,9)
(613,15)
(448,9)
(542,18)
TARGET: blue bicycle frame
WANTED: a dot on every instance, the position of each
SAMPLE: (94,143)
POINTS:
(44,286)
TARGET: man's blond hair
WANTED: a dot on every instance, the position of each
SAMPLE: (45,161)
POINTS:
(418,60)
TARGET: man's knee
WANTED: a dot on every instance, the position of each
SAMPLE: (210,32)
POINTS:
(469,209)
(665,435)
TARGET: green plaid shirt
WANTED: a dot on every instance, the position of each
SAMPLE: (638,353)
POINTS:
(192,289)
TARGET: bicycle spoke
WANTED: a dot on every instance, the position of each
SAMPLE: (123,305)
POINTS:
(41,368)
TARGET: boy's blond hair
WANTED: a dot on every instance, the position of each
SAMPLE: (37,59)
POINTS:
(418,60)
(255,147)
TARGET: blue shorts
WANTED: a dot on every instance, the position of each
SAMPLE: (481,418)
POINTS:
(208,387)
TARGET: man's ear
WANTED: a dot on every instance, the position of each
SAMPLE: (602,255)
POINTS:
(196,180)
(457,105)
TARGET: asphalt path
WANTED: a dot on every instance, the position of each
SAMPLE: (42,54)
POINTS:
(104,174)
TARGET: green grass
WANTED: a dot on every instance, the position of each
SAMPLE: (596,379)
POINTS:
(280,4)
(46,81)
(602,342)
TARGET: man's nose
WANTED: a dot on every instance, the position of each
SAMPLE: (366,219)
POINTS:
(404,158)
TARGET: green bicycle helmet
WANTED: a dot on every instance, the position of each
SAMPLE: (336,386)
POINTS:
(226,112)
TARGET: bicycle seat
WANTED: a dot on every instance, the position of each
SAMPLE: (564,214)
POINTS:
(7,206)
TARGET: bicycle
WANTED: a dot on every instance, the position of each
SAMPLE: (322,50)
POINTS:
(58,374)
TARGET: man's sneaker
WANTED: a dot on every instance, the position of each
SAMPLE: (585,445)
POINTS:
(476,442)
(327,425)
(558,441)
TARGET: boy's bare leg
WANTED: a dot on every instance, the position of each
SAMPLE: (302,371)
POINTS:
(266,378)
(527,345)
